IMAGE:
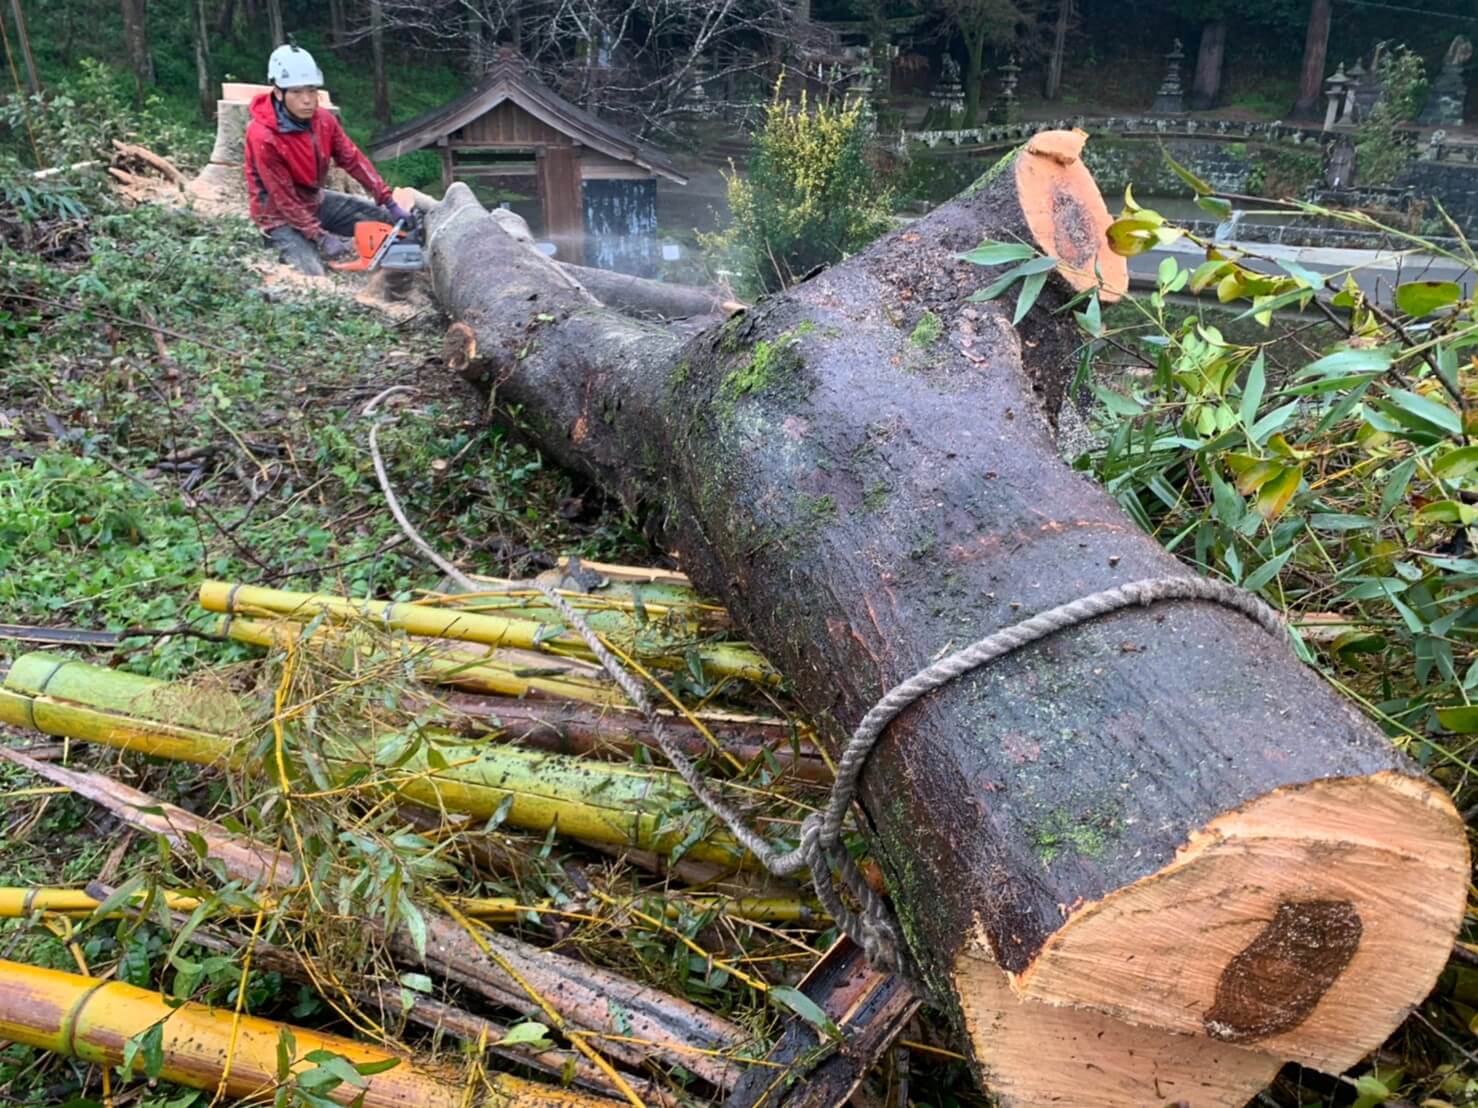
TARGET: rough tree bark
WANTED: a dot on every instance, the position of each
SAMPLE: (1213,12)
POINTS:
(202,62)
(1206,84)
(23,41)
(338,26)
(274,23)
(377,51)
(1153,844)
(136,40)
(1052,85)
(225,22)
(1311,76)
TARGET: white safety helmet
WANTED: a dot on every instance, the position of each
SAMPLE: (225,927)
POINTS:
(293,67)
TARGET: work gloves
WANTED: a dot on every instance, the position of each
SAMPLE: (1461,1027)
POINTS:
(397,213)
(335,248)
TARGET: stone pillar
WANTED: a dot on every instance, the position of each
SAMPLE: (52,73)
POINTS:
(1170,100)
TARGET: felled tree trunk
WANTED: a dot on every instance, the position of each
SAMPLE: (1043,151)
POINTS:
(1155,832)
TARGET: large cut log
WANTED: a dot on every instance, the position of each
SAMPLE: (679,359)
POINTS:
(1158,816)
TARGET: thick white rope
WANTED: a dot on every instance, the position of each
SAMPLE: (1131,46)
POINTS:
(874,929)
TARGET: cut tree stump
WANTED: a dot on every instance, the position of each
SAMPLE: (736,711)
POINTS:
(1159,817)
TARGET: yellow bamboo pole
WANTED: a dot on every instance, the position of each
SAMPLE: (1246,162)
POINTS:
(442,665)
(17,903)
(91,1019)
(759,909)
(727,660)
(621,805)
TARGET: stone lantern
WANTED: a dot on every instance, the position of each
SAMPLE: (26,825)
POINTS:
(1334,88)
(1004,110)
(1170,100)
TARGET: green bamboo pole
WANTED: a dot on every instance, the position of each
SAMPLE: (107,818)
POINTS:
(616,804)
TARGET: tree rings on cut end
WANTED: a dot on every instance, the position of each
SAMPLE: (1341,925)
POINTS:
(1306,923)
(1066,214)
(1032,1054)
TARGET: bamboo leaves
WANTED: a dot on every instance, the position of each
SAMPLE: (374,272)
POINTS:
(1421,298)
(1349,476)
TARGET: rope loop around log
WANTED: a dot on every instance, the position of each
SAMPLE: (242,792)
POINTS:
(820,850)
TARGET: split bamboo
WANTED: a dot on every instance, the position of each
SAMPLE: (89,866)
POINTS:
(585,799)
(442,661)
(210,1048)
(720,659)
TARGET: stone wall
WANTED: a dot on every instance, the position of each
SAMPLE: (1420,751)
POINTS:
(1453,184)
(1116,162)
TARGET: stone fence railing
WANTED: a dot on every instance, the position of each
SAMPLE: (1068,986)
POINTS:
(1438,149)
(1148,126)
(1434,147)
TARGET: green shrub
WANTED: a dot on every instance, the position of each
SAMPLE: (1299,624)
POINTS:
(1381,150)
(811,196)
(78,119)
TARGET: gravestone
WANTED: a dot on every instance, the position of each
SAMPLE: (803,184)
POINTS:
(1170,100)
(1445,102)
(1368,89)
(1339,164)
(949,92)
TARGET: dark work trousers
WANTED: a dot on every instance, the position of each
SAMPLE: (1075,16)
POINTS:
(338,212)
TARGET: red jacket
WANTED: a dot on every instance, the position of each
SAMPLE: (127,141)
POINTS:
(286,169)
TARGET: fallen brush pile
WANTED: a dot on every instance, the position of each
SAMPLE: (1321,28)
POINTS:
(389,784)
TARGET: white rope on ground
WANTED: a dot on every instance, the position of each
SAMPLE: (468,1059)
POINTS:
(874,929)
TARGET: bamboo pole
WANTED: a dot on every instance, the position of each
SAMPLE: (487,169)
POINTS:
(602,802)
(209,1048)
(506,674)
(722,659)
(466,665)
(17,903)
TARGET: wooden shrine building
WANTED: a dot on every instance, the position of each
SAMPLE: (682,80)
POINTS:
(513,126)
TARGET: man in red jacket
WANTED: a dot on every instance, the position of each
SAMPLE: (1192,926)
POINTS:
(289,144)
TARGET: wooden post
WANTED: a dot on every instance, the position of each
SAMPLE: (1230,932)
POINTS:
(559,194)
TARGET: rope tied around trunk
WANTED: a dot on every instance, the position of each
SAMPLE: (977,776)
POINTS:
(820,850)
(874,928)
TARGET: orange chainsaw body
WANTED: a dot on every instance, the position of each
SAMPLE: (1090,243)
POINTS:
(368,238)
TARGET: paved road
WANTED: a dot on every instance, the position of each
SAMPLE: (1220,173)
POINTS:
(1377,272)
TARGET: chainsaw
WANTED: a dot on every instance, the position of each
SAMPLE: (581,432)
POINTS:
(395,247)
